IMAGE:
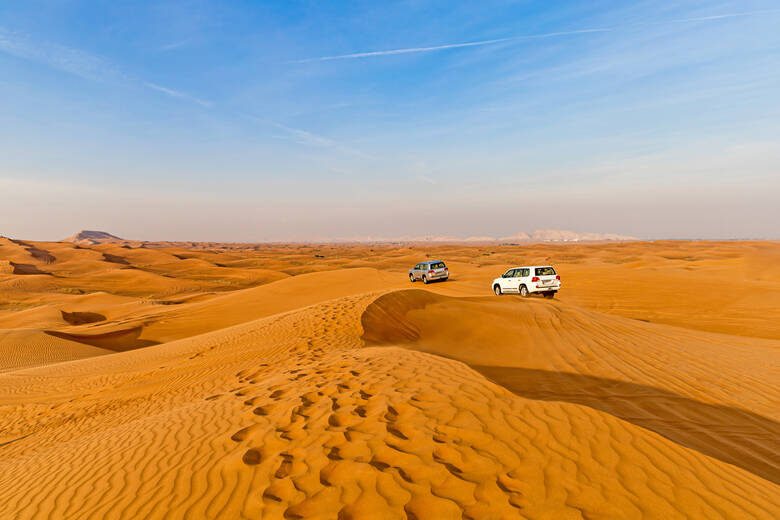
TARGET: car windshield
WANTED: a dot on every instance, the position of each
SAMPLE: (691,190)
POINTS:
(437,265)
(545,271)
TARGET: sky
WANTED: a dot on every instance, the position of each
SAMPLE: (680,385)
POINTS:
(251,121)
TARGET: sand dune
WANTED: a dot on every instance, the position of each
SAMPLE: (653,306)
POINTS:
(324,385)
(636,371)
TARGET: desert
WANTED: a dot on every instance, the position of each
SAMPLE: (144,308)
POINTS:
(389,260)
(195,380)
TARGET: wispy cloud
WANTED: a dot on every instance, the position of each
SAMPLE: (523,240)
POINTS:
(447,46)
(307,138)
(721,16)
(176,45)
(177,94)
(65,59)
(77,62)
(426,180)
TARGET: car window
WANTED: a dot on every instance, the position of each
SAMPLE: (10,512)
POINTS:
(417,267)
(437,265)
(510,273)
(545,271)
(525,272)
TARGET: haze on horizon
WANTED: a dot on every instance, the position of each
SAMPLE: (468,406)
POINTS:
(246,121)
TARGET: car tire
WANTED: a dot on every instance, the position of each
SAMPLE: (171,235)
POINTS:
(497,289)
(549,295)
(425,279)
(524,291)
(411,278)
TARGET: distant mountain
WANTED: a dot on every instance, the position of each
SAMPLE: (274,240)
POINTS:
(541,235)
(560,235)
(517,237)
(88,238)
(92,237)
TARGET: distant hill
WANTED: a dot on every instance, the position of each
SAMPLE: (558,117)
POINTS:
(541,235)
(560,235)
(86,237)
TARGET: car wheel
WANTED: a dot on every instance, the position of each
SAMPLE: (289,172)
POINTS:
(425,280)
(549,295)
(497,289)
(524,291)
(411,278)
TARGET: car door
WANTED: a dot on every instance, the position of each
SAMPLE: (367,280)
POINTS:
(417,271)
(508,281)
(516,280)
(523,277)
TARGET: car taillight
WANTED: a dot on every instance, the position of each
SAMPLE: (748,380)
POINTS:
(535,279)
(558,277)
(446,269)
(430,272)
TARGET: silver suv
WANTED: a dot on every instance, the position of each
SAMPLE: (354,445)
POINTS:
(429,271)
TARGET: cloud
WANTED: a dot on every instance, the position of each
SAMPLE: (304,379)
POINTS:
(722,16)
(176,45)
(23,184)
(177,94)
(413,50)
(76,62)
(307,138)
(427,180)
(58,57)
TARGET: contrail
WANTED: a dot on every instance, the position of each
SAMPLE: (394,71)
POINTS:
(177,94)
(721,16)
(407,51)
(446,46)
(411,50)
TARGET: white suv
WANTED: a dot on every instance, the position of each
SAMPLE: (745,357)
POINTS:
(526,280)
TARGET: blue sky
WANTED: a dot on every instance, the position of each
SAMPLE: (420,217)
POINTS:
(290,120)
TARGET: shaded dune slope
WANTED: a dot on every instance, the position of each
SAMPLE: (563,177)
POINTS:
(637,372)
(116,341)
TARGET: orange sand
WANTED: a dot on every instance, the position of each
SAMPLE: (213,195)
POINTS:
(238,381)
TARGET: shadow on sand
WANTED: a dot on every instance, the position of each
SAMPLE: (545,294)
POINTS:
(732,435)
(117,341)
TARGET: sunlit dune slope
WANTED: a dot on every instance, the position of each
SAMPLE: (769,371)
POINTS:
(21,348)
(233,308)
(123,324)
